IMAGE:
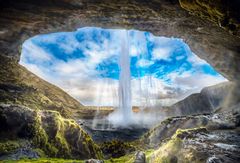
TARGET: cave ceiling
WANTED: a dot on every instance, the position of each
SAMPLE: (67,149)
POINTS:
(210,28)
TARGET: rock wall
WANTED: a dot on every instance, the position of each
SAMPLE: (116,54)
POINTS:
(46,133)
(20,20)
(200,138)
(222,12)
(228,120)
(210,99)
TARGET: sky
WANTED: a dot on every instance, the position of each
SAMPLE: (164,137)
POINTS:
(84,63)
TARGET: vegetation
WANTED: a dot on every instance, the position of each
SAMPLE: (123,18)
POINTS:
(116,148)
(172,151)
(124,159)
(19,86)
(44,160)
(47,131)
(7,147)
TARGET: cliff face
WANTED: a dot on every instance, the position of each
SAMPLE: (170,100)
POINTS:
(41,134)
(199,138)
(19,86)
(222,12)
(210,99)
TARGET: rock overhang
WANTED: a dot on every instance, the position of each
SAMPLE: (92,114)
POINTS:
(220,47)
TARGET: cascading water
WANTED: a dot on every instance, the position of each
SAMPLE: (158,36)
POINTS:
(123,115)
(124,92)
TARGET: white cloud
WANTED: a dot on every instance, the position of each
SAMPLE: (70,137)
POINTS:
(180,57)
(161,53)
(151,91)
(195,60)
(35,69)
(194,81)
(36,52)
(144,63)
(133,51)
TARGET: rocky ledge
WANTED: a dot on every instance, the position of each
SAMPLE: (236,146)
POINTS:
(33,133)
(200,138)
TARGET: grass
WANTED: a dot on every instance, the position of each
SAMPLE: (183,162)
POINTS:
(124,159)
(44,160)
(20,86)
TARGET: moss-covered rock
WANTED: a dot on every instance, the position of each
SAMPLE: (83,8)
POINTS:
(7,147)
(46,130)
(44,160)
(167,128)
(173,151)
(116,148)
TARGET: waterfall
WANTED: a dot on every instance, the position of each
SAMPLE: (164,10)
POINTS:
(122,117)
(124,90)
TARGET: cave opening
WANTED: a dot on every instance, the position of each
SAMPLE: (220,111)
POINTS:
(87,65)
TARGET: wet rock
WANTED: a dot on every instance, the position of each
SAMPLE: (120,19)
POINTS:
(173,159)
(140,157)
(226,120)
(94,161)
(200,145)
(20,154)
(213,159)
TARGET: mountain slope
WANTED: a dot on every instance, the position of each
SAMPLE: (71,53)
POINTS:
(19,86)
(208,100)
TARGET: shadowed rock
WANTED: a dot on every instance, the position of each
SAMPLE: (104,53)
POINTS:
(140,157)
(47,131)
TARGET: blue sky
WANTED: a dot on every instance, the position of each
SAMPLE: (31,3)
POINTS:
(84,63)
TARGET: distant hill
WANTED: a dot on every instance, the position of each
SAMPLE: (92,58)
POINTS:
(208,100)
(20,86)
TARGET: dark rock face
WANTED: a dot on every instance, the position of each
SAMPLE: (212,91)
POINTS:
(25,151)
(94,161)
(202,138)
(116,149)
(217,121)
(222,12)
(46,131)
(20,20)
(140,157)
(201,145)
(210,99)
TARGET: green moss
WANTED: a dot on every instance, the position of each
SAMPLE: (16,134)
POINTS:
(48,131)
(173,151)
(167,152)
(51,138)
(44,160)
(19,86)
(9,146)
(117,148)
(40,152)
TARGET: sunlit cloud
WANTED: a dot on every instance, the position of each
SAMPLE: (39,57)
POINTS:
(144,63)
(161,53)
